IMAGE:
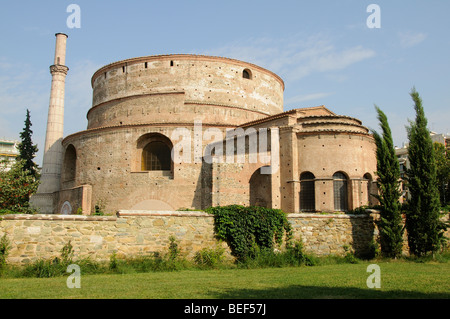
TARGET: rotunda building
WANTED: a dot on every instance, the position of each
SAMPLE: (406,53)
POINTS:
(123,158)
(154,118)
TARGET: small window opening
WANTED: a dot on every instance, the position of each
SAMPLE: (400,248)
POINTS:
(146,64)
(171,63)
(247,74)
(123,69)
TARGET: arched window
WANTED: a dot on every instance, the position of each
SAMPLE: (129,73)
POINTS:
(247,74)
(307,192)
(340,192)
(156,156)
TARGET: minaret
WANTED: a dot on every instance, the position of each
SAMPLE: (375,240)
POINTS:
(45,198)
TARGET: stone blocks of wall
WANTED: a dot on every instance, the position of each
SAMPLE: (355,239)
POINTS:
(134,233)
(137,233)
(34,237)
(330,234)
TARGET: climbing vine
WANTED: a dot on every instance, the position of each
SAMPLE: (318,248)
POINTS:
(250,229)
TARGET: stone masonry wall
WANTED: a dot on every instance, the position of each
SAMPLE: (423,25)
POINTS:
(133,233)
(329,234)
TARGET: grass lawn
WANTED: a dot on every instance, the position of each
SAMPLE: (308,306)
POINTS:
(398,280)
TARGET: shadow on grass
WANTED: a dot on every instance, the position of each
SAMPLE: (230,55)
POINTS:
(314,292)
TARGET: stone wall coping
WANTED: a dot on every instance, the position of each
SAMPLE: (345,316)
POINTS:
(126,213)
(143,213)
(57,217)
(318,215)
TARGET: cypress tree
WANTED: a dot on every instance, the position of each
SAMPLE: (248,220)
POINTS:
(27,150)
(423,225)
(388,172)
(442,171)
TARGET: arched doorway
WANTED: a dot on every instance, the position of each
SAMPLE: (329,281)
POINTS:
(307,192)
(69,164)
(261,189)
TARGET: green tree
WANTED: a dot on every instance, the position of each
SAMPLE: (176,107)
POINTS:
(425,230)
(16,187)
(27,151)
(443,172)
(388,172)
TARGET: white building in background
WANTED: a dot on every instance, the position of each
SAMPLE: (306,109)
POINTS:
(402,156)
(8,152)
(441,138)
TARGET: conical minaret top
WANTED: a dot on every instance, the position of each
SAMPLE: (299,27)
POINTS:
(53,151)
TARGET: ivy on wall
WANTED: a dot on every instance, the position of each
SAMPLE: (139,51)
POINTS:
(250,229)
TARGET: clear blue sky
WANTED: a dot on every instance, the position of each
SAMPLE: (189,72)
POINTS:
(323,50)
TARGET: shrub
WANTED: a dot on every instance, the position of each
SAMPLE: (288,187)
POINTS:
(113,265)
(98,211)
(51,267)
(262,258)
(373,250)
(298,256)
(4,251)
(209,257)
(174,251)
(149,263)
(250,229)
(293,256)
(45,268)
(350,255)
(359,210)
(67,254)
